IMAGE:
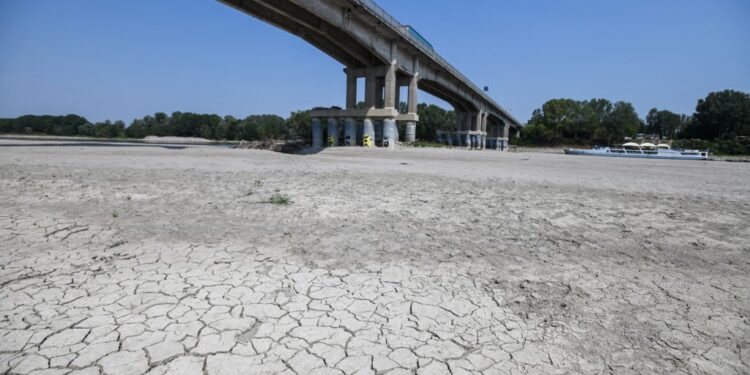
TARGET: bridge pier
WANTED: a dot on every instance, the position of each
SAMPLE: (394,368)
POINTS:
(482,127)
(456,135)
(476,127)
(378,123)
(378,132)
(381,105)
(411,106)
(351,89)
(350,132)
(494,142)
(317,133)
(411,132)
(390,133)
(333,132)
(506,130)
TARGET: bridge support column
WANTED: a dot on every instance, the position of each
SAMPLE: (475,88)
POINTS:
(317,133)
(476,124)
(390,87)
(350,132)
(370,88)
(378,132)
(390,133)
(460,119)
(411,132)
(495,138)
(483,132)
(411,108)
(360,132)
(506,130)
(368,133)
(498,134)
(333,132)
(411,103)
(496,142)
(351,89)
(379,88)
(478,130)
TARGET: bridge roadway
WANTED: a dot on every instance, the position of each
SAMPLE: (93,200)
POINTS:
(372,45)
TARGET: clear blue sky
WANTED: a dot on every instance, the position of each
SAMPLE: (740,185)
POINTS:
(125,59)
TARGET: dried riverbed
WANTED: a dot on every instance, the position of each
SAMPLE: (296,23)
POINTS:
(129,260)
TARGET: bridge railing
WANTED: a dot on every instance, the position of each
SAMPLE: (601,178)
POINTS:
(395,25)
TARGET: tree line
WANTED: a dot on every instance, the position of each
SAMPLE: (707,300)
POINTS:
(179,124)
(721,120)
(209,126)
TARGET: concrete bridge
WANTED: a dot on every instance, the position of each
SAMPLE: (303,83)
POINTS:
(372,45)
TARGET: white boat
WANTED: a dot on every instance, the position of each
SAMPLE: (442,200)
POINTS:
(645,150)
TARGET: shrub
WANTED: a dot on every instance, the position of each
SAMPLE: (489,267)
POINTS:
(280,199)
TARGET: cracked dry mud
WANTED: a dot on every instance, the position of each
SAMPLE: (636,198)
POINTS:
(147,260)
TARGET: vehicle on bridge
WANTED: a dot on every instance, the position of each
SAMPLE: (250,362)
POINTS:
(418,36)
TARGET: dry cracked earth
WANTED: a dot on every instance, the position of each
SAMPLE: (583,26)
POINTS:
(163,261)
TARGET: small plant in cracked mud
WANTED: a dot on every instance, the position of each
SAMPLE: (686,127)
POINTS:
(280,199)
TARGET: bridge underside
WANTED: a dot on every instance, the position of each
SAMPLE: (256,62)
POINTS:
(373,46)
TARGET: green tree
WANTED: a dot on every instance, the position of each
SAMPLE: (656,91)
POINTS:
(87,130)
(431,119)
(137,129)
(664,123)
(724,114)
(596,112)
(6,125)
(299,124)
(621,122)
(206,131)
(560,115)
(232,125)
(568,120)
